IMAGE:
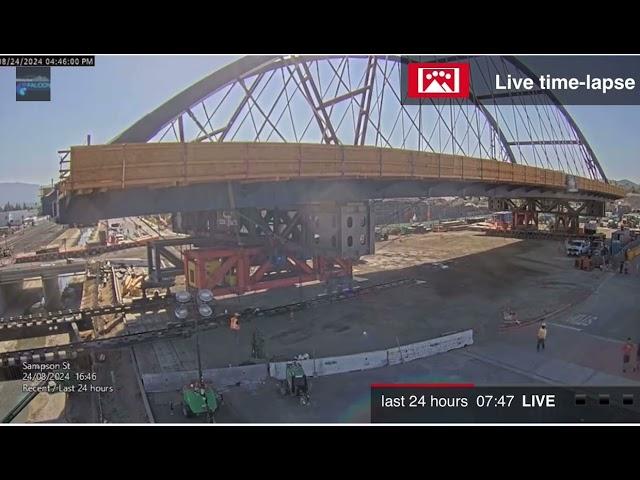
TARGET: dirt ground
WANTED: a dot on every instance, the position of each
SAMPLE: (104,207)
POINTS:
(469,280)
(411,250)
(32,238)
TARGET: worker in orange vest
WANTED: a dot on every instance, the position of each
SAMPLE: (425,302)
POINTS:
(233,323)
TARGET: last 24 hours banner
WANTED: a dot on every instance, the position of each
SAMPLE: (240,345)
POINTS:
(468,403)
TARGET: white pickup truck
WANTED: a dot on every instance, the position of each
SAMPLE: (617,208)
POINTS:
(578,247)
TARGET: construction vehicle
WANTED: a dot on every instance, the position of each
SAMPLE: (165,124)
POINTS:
(199,400)
(502,221)
(296,383)
(578,247)
(382,234)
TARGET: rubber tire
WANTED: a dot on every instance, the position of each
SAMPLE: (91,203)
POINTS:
(185,411)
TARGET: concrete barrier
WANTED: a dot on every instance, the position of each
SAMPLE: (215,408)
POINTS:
(376,359)
(232,376)
(414,351)
(220,377)
(278,369)
(351,363)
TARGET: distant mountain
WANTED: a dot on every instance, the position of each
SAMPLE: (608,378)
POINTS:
(19,193)
(628,185)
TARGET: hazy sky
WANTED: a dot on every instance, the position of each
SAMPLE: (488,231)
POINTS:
(105,99)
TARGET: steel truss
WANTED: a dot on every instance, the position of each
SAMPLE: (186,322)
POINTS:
(356,100)
(567,214)
(255,249)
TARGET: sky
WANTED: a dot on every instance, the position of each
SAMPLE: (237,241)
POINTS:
(105,99)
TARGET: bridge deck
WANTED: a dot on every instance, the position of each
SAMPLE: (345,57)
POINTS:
(116,167)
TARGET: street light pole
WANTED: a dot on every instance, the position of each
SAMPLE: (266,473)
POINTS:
(198,307)
(204,299)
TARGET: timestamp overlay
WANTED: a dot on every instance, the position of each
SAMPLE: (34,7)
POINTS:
(60,378)
(468,403)
(47,61)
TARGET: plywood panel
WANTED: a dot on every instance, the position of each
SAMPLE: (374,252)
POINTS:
(472,168)
(118,166)
(491,170)
(519,174)
(505,172)
(427,165)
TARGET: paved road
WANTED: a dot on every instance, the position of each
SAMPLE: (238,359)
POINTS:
(32,238)
(583,348)
(338,398)
(532,277)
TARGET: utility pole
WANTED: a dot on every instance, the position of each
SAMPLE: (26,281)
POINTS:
(203,391)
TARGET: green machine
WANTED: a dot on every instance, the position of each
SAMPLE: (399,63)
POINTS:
(199,399)
(296,383)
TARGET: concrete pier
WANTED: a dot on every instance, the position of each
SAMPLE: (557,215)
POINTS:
(7,292)
(51,289)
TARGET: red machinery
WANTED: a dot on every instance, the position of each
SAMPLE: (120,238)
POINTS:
(525,220)
(239,270)
(502,220)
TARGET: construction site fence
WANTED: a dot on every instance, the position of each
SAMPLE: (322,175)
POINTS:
(313,367)
(107,167)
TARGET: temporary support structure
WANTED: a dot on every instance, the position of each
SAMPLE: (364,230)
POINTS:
(239,269)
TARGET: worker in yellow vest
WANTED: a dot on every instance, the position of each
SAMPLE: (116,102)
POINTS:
(542,336)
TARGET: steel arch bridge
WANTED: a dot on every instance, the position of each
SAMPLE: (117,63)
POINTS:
(349,107)
(355,100)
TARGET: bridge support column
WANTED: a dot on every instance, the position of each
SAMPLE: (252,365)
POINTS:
(8,292)
(52,295)
(3,299)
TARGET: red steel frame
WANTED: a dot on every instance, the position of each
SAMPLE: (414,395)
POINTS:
(525,220)
(253,269)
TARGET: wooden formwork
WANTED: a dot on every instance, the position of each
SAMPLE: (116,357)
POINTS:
(106,167)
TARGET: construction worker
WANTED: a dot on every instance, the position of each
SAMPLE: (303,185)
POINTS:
(627,348)
(542,336)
